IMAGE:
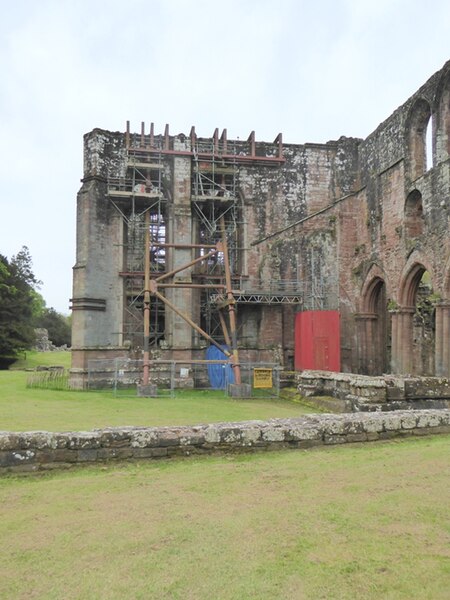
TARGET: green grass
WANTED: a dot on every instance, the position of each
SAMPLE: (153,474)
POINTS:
(368,521)
(23,409)
(32,359)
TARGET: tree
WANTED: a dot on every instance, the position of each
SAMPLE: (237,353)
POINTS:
(57,325)
(38,305)
(16,286)
(22,265)
(22,309)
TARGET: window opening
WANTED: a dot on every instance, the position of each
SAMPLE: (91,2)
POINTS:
(429,145)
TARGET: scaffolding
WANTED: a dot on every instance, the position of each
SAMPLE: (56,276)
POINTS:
(314,294)
(141,194)
(135,192)
(215,209)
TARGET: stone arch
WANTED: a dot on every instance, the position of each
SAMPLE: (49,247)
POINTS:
(442,112)
(374,276)
(413,219)
(373,325)
(370,298)
(410,280)
(413,321)
(416,133)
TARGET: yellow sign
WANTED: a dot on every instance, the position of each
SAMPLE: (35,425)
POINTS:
(262,378)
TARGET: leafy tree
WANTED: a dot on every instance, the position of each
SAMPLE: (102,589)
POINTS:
(22,309)
(38,305)
(22,264)
(16,286)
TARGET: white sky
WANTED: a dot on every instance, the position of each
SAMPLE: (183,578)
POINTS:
(312,69)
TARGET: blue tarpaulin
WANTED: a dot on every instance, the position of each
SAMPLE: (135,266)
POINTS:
(219,375)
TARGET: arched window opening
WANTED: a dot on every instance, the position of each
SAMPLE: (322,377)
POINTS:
(419,118)
(429,145)
(374,328)
(376,295)
(442,118)
(414,220)
(424,327)
(418,296)
(381,342)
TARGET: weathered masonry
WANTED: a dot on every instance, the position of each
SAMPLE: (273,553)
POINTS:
(362,228)
(41,450)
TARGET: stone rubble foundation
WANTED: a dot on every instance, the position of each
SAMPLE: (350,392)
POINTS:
(42,450)
(376,393)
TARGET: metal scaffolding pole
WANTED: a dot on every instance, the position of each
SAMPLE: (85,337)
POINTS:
(231,305)
(223,324)
(185,317)
(146,298)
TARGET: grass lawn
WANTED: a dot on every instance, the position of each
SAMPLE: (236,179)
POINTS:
(32,358)
(23,409)
(367,521)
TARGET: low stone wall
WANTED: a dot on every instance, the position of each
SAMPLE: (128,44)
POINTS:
(384,392)
(40,450)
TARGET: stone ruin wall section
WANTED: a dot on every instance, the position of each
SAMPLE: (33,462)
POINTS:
(97,300)
(40,450)
(386,175)
(364,235)
(374,239)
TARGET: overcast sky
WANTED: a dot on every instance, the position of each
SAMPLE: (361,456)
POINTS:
(312,69)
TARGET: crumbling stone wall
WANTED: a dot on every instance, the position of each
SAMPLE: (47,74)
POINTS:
(392,231)
(40,450)
(376,393)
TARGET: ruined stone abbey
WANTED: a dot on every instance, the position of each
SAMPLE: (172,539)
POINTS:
(178,229)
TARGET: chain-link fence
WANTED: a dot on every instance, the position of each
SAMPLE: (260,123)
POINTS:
(166,378)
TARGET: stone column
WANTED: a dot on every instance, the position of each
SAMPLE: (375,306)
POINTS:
(442,341)
(394,341)
(98,289)
(407,339)
(445,340)
(439,341)
(367,342)
(402,340)
(178,332)
(405,343)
